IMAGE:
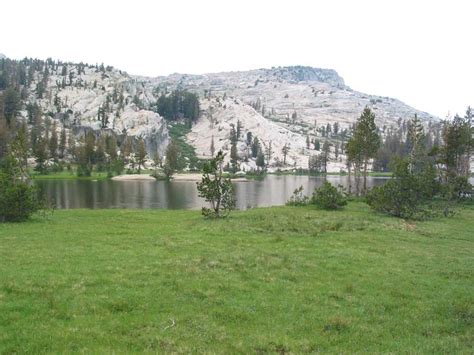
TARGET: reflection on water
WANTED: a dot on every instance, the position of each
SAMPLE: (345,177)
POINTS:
(271,191)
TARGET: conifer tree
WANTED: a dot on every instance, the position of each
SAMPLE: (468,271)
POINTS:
(62,143)
(53,143)
(212,146)
(365,142)
(260,160)
(140,154)
(285,150)
(255,147)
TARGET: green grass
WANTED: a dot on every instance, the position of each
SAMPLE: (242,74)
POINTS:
(283,279)
(68,175)
(71,175)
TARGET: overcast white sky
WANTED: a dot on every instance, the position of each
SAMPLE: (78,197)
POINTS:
(421,52)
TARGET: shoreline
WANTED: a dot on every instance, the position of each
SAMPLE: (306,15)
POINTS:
(133,177)
(198,177)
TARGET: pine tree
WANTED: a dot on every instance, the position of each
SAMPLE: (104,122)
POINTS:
(239,128)
(317,144)
(416,136)
(249,138)
(11,104)
(255,147)
(171,164)
(71,144)
(85,154)
(260,160)
(328,129)
(41,155)
(458,144)
(268,153)
(100,156)
(62,143)
(53,143)
(234,158)
(285,150)
(111,147)
(19,151)
(156,162)
(365,142)
(233,134)
(325,155)
(212,146)
(126,150)
(140,155)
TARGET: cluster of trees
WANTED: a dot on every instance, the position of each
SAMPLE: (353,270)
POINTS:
(102,154)
(317,164)
(397,141)
(362,147)
(423,169)
(427,172)
(179,104)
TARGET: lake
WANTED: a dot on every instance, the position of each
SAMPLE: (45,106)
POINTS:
(273,190)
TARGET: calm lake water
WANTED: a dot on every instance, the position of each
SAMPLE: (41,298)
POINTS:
(271,191)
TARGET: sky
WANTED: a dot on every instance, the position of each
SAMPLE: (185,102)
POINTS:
(420,52)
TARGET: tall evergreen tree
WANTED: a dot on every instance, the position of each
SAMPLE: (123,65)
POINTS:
(53,143)
(260,162)
(365,142)
(62,143)
(268,153)
(255,147)
(325,155)
(11,104)
(171,163)
(140,155)
(212,146)
(285,150)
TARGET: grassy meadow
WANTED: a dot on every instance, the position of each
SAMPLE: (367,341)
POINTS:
(266,280)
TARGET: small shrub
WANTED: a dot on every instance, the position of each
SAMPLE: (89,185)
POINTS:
(298,198)
(329,197)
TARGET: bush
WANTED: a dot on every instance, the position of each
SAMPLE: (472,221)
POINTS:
(407,193)
(298,199)
(458,188)
(18,199)
(329,197)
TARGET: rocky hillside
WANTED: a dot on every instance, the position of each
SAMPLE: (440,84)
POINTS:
(284,106)
(82,97)
(291,107)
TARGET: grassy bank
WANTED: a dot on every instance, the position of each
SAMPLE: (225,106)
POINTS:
(266,280)
(68,175)
(71,175)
